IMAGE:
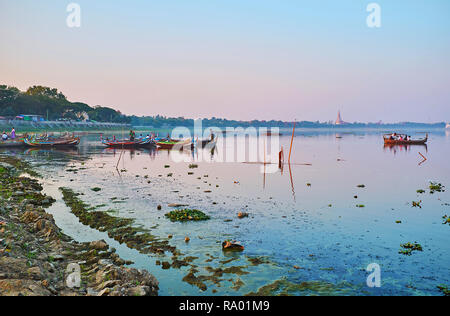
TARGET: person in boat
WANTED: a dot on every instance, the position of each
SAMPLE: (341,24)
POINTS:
(212,135)
(13,133)
(4,136)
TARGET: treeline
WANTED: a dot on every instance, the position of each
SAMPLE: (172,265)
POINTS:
(52,105)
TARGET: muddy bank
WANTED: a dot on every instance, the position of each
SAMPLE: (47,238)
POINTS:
(35,254)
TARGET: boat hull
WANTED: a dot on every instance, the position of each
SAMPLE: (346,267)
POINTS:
(129,144)
(12,144)
(72,142)
(173,144)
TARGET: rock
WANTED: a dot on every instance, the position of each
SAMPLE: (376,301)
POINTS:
(35,273)
(99,245)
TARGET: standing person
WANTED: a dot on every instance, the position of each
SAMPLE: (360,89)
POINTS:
(132,135)
(13,133)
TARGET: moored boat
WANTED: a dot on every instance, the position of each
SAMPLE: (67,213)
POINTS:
(173,144)
(13,143)
(52,142)
(447,126)
(146,142)
(401,139)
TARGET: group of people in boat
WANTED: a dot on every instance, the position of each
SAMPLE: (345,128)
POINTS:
(12,135)
(132,137)
(399,137)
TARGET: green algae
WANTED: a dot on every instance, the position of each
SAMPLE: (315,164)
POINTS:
(284,287)
(117,228)
(187,215)
(408,248)
(444,289)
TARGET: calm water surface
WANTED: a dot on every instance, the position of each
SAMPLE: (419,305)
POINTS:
(317,228)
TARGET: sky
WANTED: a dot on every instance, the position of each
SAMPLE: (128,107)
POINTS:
(236,59)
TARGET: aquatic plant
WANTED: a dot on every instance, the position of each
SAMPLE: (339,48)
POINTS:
(420,191)
(186,215)
(436,187)
(96,189)
(417,204)
(408,248)
(444,289)
(193,166)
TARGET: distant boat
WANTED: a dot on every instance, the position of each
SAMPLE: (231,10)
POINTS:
(400,139)
(146,142)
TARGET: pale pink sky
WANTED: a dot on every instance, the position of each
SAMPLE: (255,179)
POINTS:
(254,60)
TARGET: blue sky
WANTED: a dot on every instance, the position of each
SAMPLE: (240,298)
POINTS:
(241,59)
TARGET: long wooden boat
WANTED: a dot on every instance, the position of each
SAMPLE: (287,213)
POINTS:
(13,143)
(137,143)
(389,141)
(53,142)
(171,144)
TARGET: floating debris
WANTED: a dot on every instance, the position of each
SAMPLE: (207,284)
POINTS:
(96,189)
(242,214)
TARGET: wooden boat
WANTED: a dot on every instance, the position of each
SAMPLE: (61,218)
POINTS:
(205,143)
(173,144)
(137,143)
(12,143)
(52,142)
(388,140)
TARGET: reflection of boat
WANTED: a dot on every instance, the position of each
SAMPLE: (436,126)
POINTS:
(402,140)
(406,147)
(146,142)
(12,143)
(52,142)
(170,144)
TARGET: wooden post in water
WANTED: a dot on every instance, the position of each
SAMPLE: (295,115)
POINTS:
(292,140)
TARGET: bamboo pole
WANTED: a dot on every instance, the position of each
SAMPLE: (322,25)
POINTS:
(292,140)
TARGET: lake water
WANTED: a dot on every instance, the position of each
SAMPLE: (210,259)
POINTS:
(304,226)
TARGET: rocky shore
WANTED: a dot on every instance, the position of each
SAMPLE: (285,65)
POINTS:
(37,259)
